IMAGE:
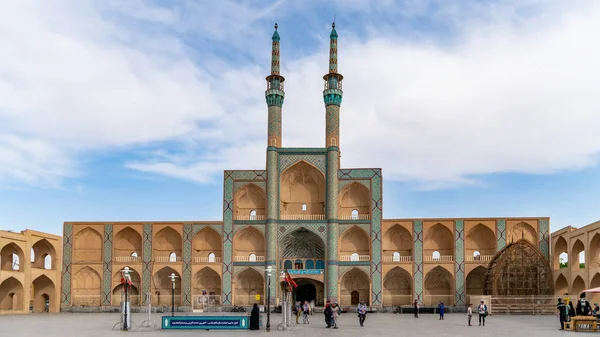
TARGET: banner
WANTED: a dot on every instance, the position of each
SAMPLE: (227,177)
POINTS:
(206,322)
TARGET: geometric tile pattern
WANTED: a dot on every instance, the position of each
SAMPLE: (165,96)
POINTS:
(288,228)
(501,234)
(66,267)
(544,236)
(332,122)
(287,160)
(107,266)
(186,277)
(418,266)
(147,261)
(333,229)
(459,267)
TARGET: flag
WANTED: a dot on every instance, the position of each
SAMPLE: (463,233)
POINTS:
(290,280)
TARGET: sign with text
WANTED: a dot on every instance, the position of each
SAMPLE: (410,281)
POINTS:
(206,322)
(305,271)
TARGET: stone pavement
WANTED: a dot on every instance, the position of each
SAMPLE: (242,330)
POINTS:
(380,325)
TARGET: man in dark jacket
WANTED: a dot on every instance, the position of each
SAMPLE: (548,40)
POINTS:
(562,313)
(327,312)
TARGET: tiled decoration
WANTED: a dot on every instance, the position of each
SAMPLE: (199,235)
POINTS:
(317,228)
(544,237)
(333,228)
(274,117)
(288,160)
(186,277)
(332,121)
(501,234)
(459,268)
(67,267)
(418,266)
(107,266)
(147,261)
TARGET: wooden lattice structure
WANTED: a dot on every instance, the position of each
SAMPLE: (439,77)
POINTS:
(519,270)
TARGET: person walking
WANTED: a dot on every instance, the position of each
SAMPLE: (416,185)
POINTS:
(362,312)
(305,313)
(469,313)
(312,306)
(416,308)
(441,310)
(482,309)
(298,309)
(336,314)
(562,313)
(254,317)
(327,313)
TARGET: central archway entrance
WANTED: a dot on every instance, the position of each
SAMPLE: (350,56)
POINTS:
(308,290)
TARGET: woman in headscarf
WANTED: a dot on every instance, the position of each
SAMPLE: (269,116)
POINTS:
(254,317)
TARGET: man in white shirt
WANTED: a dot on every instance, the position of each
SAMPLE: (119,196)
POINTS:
(482,309)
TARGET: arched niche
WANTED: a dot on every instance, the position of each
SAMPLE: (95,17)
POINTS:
(134,290)
(475,282)
(304,244)
(87,245)
(354,280)
(482,239)
(354,198)
(522,230)
(162,287)
(250,203)
(439,287)
(166,242)
(578,286)
(43,290)
(594,250)
(397,239)
(438,238)
(209,280)
(44,251)
(397,287)
(126,242)
(86,288)
(302,190)
(560,247)
(11,295)
(354,241)
(561,286)
(249,241)
(248,284)
(205,242)
(577,252)
(12,257)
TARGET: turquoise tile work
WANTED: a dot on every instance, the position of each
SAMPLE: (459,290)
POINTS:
(186,277)
(418,266)
(501,234)
(107,265)
(147,261)
(459,267)
(66,267)
(544,237)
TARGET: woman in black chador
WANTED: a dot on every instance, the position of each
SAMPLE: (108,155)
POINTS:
(254,317)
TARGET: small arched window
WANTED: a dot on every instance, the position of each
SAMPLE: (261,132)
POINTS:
(396,257)
(32,255)
(354,257)
(253,215)
(252,257)
(476,256)
(436,256)
(134,254)
(354,214)
(15,262)
(303,207)
(173,257)
(48,262)
(211,258)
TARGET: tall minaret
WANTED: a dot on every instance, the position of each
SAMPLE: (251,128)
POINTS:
(274,95)
(332,95)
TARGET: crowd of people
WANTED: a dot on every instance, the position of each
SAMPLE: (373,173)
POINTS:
(566,310)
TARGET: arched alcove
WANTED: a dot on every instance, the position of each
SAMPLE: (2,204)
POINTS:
(576,253)
(166,242)
(475,282)
(206,242)
(162,287)
(126,242)
(520,231)
(561,286)
(302,184)
(133,291)
(482,239)
(11,295)
(439,287)
(248,284)
(354,280)
(250,203)
(43,290)
(248,241)
(578,286)
(87,246)
(594,250)
(354,198)
(397,239)
(354,241)
(397,287)
(44,255)
(12,257)
(86,288)
(209,281)
(560,247)
(439,238)
(304,244)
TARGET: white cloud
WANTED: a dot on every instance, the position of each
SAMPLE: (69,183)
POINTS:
(513,94)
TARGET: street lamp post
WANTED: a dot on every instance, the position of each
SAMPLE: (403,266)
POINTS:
(126,277)
(172,277)
(269,272)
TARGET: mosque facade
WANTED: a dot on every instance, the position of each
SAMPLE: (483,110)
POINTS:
(302,213)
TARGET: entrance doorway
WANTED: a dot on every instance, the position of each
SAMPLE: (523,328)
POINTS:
(306,292)
(354,298)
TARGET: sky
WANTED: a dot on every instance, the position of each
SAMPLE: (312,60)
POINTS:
(132,110)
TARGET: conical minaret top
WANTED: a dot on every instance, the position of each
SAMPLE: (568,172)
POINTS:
(332,93)
(274,95)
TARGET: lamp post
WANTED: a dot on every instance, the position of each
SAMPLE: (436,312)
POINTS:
(172,277)
(126,277)
(269,273)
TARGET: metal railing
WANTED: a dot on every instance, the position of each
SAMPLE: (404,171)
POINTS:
(434,300)
(248,259)
(86,300)
(203,301)
(400,259)
(127,259)
(247,300)
(206,259)
(393,300)
(355,258)
(355,217)
(250,217)
(535,305)
(167,259)
(478,258)
(442,258)
(302,216)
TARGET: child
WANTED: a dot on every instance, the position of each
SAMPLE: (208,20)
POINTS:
(469,313)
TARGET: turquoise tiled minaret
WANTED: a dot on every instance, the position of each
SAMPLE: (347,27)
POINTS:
(274,96)
(332,95)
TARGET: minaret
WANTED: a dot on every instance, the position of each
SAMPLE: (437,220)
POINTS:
(274,95)
(332,95)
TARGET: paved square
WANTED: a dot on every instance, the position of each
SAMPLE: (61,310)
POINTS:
(381,325)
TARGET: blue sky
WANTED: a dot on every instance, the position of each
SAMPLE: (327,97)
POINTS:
(114,110)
